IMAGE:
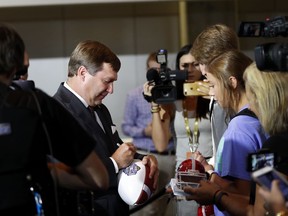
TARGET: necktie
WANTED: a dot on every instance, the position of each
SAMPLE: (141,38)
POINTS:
(92,113)
(95,118)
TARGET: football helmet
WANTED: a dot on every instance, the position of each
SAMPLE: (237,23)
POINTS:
(190,172)
(134,185)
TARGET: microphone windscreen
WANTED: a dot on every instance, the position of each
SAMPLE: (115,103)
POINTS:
(152,75)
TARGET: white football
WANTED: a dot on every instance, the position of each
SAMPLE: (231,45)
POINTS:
(134,184)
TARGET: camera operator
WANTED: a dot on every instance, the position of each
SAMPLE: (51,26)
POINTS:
(186,112)
(137,124)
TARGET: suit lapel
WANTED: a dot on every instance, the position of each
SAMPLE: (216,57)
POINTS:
(103,119)
(80,112)
(107,127)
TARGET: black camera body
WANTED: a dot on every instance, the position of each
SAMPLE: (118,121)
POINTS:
(269,56)
(164,90)
(272,56)
(277,26)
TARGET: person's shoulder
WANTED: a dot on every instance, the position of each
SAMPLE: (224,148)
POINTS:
(244,124)
(135,94)
(23,84)
(244,119)
(136,91)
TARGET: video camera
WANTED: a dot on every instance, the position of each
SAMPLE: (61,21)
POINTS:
(269,56)
(164,91)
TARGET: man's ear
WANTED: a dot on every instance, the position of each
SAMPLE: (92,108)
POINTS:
(82,71)
(233,82)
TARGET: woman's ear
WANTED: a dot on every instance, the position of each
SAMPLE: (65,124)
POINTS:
(233,81)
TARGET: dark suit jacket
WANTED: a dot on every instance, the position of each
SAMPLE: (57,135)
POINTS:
(107,202)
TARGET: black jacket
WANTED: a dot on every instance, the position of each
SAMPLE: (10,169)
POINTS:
(32,126)
(109,202)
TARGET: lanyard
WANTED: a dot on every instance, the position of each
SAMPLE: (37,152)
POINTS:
(193,140)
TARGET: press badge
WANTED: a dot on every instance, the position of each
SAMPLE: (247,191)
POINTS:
(5,129)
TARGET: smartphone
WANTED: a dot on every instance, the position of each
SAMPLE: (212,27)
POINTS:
(260,159)
(190,89)
(266,175)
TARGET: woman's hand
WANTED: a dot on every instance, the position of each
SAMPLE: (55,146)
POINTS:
(199,157)
(204,88)
(147,88)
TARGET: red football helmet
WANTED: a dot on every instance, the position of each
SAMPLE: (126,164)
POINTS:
(205,210)
(190,172)
(191,165)
(134,185)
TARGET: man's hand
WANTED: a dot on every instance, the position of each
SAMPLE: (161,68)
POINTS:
(124,155)
(152,162)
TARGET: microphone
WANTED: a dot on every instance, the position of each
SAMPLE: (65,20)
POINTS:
(152,75)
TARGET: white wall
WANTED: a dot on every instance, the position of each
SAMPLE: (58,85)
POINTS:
(50,40)
(49,73)
(130,30)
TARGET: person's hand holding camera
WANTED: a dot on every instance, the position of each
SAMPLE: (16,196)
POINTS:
(274,199)
(147,88)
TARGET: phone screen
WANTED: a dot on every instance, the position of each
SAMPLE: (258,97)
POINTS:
(259,160)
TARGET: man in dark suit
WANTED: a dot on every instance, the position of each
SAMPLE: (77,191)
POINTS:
(92,70)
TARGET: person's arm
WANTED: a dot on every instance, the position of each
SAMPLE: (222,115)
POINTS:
(234,204)
(90,174)
(210,193)
(258,208)
(237,186)
(161,130)
(66,177)
(273,200)
(161,119)
(93,172)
